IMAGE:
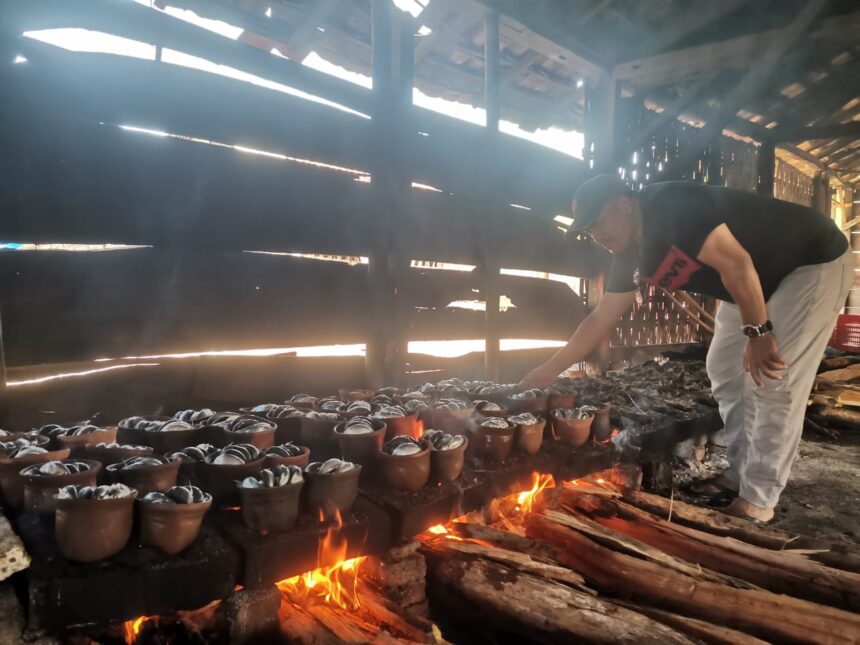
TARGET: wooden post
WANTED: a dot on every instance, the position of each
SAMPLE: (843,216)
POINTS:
(391,183)
(821,193)
(492,290)
(3,392)
(600,124)
(766,165)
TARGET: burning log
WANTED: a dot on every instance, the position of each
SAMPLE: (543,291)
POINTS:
(758,612)
(546,608)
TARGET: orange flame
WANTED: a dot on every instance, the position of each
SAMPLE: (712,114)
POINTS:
(526,499)
(334,581)
(131,628)
(419,428)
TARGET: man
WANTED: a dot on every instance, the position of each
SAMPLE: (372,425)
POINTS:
(783,272)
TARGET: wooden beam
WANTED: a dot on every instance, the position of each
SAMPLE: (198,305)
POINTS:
(812,132)
(747,86)
(811,158)
(676,66)
(306,31)
(688,23)
(522,23)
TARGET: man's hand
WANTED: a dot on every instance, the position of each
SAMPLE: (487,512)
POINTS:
(539,377)
(761,358)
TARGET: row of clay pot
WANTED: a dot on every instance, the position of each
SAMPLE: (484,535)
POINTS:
(576,432)
(87,530)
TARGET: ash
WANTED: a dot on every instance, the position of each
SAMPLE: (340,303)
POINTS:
(649,401)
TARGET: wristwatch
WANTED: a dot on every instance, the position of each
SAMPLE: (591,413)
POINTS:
(754,331)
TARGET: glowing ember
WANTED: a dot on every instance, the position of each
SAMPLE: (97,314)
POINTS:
(335,583)
(419,429)
(438,530)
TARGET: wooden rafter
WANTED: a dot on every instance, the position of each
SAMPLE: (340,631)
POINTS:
(809,133)
(699,16)
(751,81)
(678,65)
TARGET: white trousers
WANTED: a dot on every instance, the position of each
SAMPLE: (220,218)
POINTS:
(763,426)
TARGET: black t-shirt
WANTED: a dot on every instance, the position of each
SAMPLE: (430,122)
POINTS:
(678,216)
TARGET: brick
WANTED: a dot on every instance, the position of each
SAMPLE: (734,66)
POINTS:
(252,615)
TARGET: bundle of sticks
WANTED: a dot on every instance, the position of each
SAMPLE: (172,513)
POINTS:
(596,564)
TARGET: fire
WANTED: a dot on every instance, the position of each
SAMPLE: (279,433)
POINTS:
(526,499)
(131,628)
(419,428)
(334,581)
(438,530)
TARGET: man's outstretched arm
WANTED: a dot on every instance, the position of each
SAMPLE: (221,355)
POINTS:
(587,336)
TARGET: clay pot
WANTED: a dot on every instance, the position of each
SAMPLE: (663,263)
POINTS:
(262,440)
(402,426)
(11,481)
(301,460)
(528,438)
(563,401)
(493,445)
(446,465)
(271,509)
(535,406)
(171,527)
(133,435)
(289,429)
(146,479)
(35,440)
(452,421)
(219,480)
(78,443)
(319,436)
(173,440)
(107,456)
(574,432)
(602,428)
(87,530)
(361,448)
(331,492)
(40,490)
(406,472)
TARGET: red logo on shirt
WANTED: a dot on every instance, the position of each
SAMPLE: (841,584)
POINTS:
(675,269)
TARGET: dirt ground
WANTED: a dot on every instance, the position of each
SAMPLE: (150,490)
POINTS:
(822,498)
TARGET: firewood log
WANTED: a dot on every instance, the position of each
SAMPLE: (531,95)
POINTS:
(345,625)
(758,612)
(376,608)
(519,561)
(626,544)
(700,629)
(836,555)
(843,417)
(781,572)
(303,628)
(504,539)
(546,609)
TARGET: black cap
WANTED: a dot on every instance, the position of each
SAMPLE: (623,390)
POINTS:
(590,197)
